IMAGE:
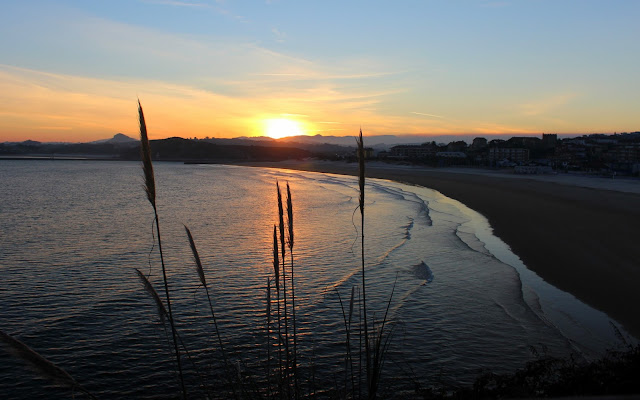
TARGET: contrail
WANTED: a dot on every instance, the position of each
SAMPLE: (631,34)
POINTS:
(427,115)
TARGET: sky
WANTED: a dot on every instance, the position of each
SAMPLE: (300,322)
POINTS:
(73,70)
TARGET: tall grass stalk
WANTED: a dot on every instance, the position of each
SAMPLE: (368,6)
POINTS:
(203,281)
(150,189)
(284,287)
(268,331)
(348,360)
(163,314)
(276,269)
(162,311)
(374,352)
(364,285)
(349,354)
(381,344)
(290,242)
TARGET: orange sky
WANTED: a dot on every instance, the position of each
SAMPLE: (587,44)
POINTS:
(56,107)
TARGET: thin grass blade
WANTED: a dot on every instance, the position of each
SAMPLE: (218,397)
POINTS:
(39,364)
(290,216)
(281,219)
(196,257)
(162,311)
(276,258)
(147,165)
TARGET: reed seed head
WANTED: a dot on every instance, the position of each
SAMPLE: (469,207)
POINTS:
(281,219)
(196,257)
(147,166)
(162,311)
(290,216)
(38,363)
(361,170)
(276,260)
(353,290)
(268,297)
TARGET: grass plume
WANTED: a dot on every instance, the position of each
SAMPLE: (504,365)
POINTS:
(361,182)
(203,281)
(290,242)
(148,287)
(284,281)
(150,189)
(276,269)
(147,165)
(40,365)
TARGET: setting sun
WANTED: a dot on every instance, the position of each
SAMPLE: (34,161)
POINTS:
(281,127)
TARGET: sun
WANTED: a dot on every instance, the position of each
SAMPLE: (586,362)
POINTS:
(281,127)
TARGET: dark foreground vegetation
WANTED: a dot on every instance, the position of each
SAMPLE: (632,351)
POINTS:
(616,374)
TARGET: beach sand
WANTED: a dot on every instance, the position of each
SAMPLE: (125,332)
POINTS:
(579,234)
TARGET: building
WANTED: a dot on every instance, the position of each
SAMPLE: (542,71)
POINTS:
(425,150)
(479,143)
(549,140)
(517,155)
(451,154)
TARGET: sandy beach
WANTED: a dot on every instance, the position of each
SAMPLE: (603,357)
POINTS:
(578,233)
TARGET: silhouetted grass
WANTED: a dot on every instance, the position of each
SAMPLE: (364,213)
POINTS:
(288,376)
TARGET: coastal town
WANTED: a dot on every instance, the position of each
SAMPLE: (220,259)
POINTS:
(598,153)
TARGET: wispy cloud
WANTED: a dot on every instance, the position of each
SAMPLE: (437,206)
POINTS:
(103,107)
(177,3)
(54,128)
(279,35)
(428,115)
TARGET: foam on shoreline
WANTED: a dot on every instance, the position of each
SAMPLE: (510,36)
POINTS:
(589,330)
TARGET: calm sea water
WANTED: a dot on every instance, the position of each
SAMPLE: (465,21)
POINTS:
(73,232)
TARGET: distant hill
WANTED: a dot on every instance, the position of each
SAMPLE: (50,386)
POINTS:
(316,147)
(118,138)
(176,148)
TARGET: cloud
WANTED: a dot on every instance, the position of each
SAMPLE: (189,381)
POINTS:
(191,85)
(88,108)
(427,115)
(280,36)
(177,3)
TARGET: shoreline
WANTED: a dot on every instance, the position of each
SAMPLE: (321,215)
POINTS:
(581,240)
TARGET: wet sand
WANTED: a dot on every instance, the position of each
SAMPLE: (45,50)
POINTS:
(583,240)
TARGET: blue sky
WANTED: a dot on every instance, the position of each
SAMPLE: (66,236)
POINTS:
(72,70)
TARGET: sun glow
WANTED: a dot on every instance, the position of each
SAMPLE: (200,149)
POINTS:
(281,127)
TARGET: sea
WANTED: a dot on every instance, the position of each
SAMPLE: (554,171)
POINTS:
(457,302)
